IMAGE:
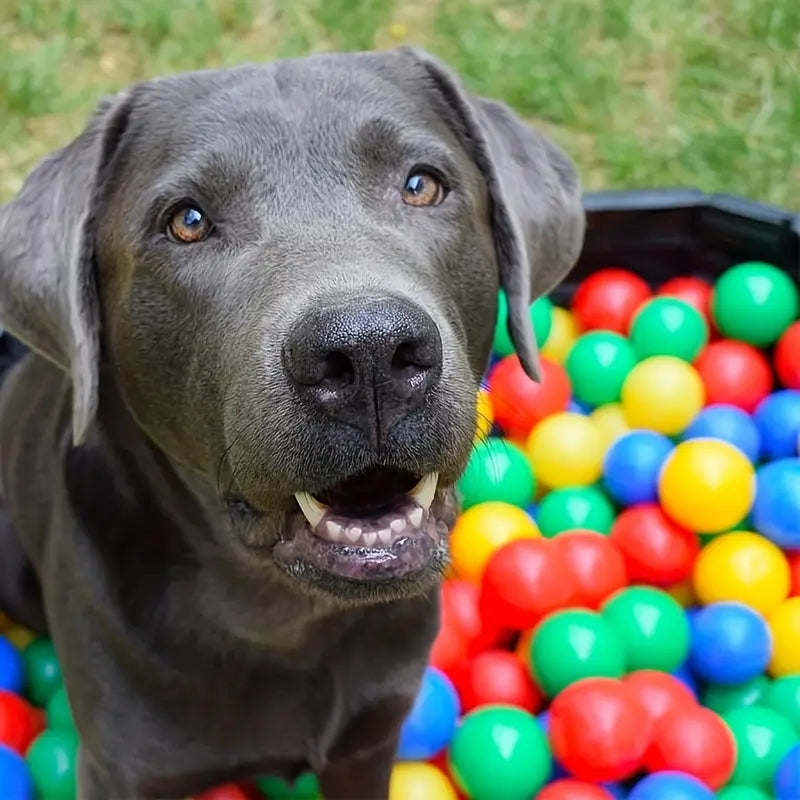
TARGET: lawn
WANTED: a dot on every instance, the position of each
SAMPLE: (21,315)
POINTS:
(701,93)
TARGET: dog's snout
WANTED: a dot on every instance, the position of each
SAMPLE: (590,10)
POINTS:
(367,362)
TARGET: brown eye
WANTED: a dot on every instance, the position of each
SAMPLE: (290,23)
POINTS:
(189,224)
(423,189)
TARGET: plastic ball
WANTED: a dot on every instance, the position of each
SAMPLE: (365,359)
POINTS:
(754,302)
(776,511)
(519,402)
(696,741)
(794,572)
(787,776)
(610,423)
(52,761)
(227,791)
(59,713)
(481,530)
(742,793)
(19,722)
(763,737)
(734,373)
(573,644)
(787,357)
(42,671)
(662,393)
(694,291)
(685,675)
(670,786)
(783,695)
(657,692)
(497,677)
(656,550)
(596,566)
(12,670)
(778,421)
(651,628)
(484,414)
(540,313)
(608,299)
(500,753)
(570,789)
(585,507)
(566,450)
(18,636)
(419,781)
(305,787)
(784,623)
(523,581)
(707,485)
(15,779)
(730,424)
(431,722)
(742,566)
(598,731)
(563,334)
(722,698)
(632,466)
(497,470)
(667,326)
(597,366)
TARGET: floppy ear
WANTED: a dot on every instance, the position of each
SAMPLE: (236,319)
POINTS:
(48,296)
(537,215)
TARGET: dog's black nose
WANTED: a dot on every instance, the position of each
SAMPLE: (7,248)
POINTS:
(368,362)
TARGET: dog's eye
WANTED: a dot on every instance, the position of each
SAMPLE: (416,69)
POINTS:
(189,224)
(423,189)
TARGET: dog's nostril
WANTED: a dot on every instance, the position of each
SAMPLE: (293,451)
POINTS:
(337,371)
(406,362)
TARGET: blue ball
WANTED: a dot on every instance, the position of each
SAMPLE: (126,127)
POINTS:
(616,790)
(731,643)
(15,779)
(685,675)
(431,723)
(670,786)
(776,510)
(577,407)
(778,421)
(632,466)
(532,510)
(729,423)
(12,670)
(787,776)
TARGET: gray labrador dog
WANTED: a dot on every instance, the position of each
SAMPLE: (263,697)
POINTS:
(259,303)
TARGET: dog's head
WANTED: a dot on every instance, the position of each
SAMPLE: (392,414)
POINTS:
(290,273)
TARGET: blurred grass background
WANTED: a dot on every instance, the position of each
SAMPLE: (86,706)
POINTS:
(702,93)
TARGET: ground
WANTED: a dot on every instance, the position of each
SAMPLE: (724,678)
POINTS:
(702,93)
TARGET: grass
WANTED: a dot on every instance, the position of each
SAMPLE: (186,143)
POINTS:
(702,93)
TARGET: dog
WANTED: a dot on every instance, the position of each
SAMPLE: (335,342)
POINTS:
(259,303)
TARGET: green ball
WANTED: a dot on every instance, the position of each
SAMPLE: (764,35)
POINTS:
(754,302)
(42,671)
(723,699)
(573,644)
(783,695)
(306,787)
(52,761)
(500,753)
(667,326)
(597,365)
(742,793)
(541,316)
(573,507)
(497,470)
(59,713)
(763,737)
(651,627)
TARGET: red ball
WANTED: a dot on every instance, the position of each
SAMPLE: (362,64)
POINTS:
(497,676)
(227,791)
(794,571)
(519,402)
(598,731)
(595,563)
(735,373)
(658,693)
(656,549)
(693,739)
(524,580)
(694,291)
(569,789)
(787,357)
(608,299)
(20,722)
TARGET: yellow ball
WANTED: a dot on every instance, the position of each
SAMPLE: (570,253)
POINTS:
(742,566)
(563,333)
(784,623)
(481,530)
(610,422)
(18,636)
(662,393)
(566,450)
(416,780)
(485,414)
(707,485)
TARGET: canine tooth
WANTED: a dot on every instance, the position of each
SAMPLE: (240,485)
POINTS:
(312,510)
(369,538)
(415,517)
(385,536)
(397,524)
(424,491)
(333,530)
(353,534)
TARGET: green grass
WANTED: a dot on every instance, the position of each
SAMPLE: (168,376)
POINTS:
(701,93)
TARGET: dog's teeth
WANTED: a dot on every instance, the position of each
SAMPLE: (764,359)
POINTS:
(312,509)
(415,517)
(397,524)
(385,536)
(353,534)
(424,491)
(369,538)
(333,530)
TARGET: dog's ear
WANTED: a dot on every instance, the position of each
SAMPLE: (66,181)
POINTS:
(48,296)
(537,215)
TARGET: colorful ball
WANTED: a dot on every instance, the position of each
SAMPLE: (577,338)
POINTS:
(745,567)
(632,466)
(754,302)
(540,313)
(484,415)
(662,393)
(14,776)
(722,698)
(584,507)
(19,722)
(497,470)
(742,793)
(608,299)
(787,357)
(784,624)
(497,677)
(776,511)
(500,753)
(42,671)
(563,334)
(670,786)
(787,776)
(431,722)
(597,366)
(778,421)
(668,326)
(730,424)
(59,713)
(657,692)
(707,485)
(12,669)
(694,291)
(419,781)
(610,423)
(305,787)
(734,373)
(783,695)
(52,761)
(570,789)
